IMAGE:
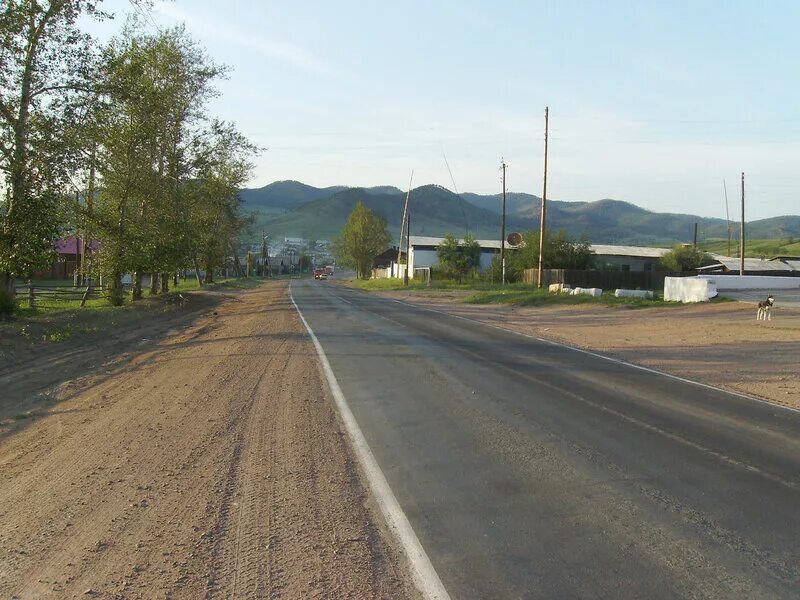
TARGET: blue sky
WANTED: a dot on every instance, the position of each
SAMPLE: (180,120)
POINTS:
(655,103)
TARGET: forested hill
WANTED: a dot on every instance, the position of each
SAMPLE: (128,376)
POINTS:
(291,208)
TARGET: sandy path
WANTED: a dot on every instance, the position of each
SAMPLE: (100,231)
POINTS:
(212,466)
(720,344)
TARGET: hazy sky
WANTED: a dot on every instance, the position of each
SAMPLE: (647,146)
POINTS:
(655,103)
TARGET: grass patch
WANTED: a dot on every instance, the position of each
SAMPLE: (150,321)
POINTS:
(388,285)
(21,417)
(537,297)
(757,248)
(60,335)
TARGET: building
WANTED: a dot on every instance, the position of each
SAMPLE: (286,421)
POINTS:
(422,252)
(752,266)
(627,258)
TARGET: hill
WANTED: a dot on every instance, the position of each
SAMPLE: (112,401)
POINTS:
(434,211)
(281,196)
(290,208)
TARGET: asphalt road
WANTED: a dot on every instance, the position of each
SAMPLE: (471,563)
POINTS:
(531,470)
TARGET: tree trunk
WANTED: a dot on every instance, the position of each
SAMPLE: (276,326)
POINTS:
(209,274)
(165,283)
(115,292)
(136,289)
(7,285)
(197,273)
(153,284)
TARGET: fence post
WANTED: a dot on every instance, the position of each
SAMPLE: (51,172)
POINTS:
(86,295)
(31,295)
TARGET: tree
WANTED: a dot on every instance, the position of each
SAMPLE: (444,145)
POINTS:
(458,258)
(561,251)
(364,236)
(170,175)
(45,71)
(304,263)
(685,258)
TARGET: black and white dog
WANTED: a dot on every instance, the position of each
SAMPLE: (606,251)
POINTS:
(764,307)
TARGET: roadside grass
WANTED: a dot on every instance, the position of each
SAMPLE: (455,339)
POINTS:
(59,318)
(388,285)
(61,295)
(537,297)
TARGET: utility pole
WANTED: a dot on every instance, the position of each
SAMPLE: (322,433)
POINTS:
(503,226)
(544,199)
(694,238)
(408,247)
(741,241)
(263,253)
(403,226)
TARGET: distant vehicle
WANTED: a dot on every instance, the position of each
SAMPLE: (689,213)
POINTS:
(329,270)
(320,274)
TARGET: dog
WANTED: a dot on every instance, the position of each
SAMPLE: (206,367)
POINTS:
(764,308)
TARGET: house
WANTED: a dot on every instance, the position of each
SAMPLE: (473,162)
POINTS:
(422,252)
(628,258)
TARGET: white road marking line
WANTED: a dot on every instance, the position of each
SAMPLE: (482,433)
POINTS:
(425,577)
(603,356)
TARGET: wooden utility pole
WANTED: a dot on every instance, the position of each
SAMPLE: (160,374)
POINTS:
(544,200)
(694,236)
(408,247)
(503,226)
(741,241)
(403,226)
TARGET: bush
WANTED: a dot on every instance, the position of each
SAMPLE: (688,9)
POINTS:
(685,258)
(7,305)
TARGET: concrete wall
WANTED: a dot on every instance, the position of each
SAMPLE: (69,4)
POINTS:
(688,289)
(752,282)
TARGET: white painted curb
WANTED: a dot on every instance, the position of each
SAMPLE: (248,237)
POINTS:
(425,577)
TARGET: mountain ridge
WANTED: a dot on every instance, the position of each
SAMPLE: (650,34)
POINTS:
(296,209)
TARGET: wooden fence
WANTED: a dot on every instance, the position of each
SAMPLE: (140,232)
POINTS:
(57,296)
(606,280)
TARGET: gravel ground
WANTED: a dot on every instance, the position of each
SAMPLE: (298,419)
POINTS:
(209,465)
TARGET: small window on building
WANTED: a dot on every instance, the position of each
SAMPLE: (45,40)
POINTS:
(624,267)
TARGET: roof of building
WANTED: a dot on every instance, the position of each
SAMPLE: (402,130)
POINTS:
(633,251)
(423,240)
(750,264)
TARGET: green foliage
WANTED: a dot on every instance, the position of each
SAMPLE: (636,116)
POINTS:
(685,258)
(364,236)
(45,76)
(561,251)
(304,262)
(169,175)
(458,258)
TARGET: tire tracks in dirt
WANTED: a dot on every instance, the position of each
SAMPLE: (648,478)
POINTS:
(212,465)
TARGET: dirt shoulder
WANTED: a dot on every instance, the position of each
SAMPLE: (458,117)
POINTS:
(210,464)
(720,344)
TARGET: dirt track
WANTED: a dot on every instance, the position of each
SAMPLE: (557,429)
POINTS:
(210,466)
